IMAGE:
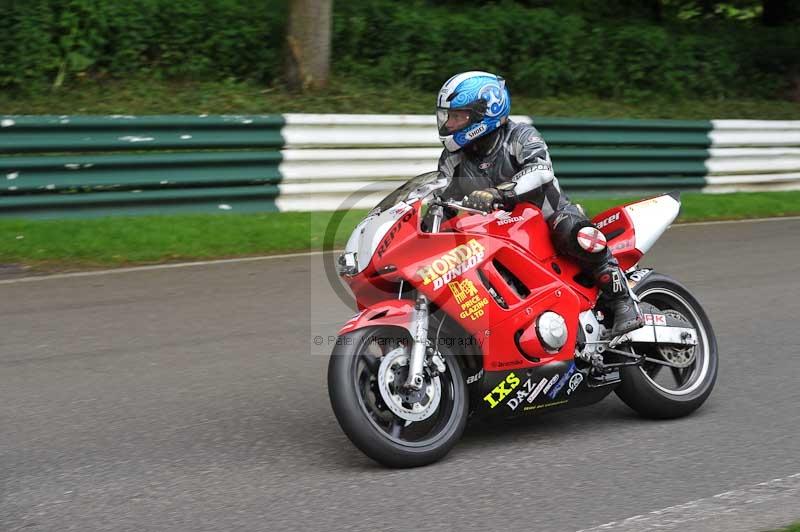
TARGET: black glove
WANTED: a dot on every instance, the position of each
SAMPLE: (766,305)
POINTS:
(486,200)
(483,200)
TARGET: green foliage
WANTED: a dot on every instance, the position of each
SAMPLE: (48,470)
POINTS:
(550,52)
(625,48)
(27,46)
(49,41)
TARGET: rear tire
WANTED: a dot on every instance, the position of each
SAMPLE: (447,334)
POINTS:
(354,404)
(640,388)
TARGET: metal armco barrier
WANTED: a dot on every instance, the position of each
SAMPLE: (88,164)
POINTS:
(75,166)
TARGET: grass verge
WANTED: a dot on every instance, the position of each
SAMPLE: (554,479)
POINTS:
(121,241)
(791,528)
(149,96)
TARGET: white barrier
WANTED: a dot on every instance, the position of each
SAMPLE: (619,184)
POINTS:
(330,160)
(762,133)
(380,163)
(331,196)
(753,155)
(354,131)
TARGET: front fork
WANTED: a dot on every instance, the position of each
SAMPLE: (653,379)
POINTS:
(419,327)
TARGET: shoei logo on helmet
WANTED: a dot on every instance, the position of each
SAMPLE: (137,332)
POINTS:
(476,132)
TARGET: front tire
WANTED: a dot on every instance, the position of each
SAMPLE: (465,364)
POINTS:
(644,388)
(375,427)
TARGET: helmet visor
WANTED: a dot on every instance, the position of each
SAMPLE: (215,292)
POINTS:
(451,120)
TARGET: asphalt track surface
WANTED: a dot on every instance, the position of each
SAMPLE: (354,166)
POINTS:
(192,399)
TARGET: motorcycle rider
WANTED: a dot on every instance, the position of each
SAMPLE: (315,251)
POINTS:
(494,161)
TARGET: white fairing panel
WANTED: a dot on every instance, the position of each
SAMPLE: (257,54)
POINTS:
(651,218)
(368,234)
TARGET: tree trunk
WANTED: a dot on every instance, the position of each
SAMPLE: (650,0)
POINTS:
(707,8)
(656,11)
(775,12)
(308,44)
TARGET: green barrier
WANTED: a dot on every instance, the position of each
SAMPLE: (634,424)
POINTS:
(571,132)
(155,170)
(78,166)
(77,134)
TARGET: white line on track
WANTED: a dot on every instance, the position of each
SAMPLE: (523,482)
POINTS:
(751,220)
(157,267)
(712,513)
(287,256)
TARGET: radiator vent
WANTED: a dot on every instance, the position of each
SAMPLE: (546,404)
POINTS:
(517,286)
(489,288)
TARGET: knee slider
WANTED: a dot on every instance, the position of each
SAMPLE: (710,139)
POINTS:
(590,239)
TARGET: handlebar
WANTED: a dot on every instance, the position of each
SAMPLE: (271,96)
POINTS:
(458,206)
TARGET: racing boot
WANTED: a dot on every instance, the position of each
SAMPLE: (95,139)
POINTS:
(613,285)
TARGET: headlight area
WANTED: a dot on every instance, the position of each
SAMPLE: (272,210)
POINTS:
(347,263)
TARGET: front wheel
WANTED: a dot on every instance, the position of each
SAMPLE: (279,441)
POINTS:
(392,426)
(662,392)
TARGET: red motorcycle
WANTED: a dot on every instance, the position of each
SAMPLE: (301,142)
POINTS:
(472,314)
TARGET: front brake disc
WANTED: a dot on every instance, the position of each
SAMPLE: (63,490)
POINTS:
(422,405)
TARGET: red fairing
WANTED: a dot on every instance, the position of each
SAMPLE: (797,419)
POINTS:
(397,312)
(494,274)
(508,253)
(617,226)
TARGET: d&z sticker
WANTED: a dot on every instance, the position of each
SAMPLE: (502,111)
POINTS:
(528,393)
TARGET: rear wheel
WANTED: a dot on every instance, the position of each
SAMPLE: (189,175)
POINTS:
(658,391)
(388,424)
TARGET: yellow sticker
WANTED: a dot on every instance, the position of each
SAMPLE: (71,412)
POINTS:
(471,301)
(452,264)
(503,388)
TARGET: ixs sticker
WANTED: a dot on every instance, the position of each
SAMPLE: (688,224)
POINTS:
(501,391)
(468,297)
(475,378)
(611,219)
(562,381)
(452,264)
(574,382)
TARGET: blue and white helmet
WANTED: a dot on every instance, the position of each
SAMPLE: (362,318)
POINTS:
(471,105)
